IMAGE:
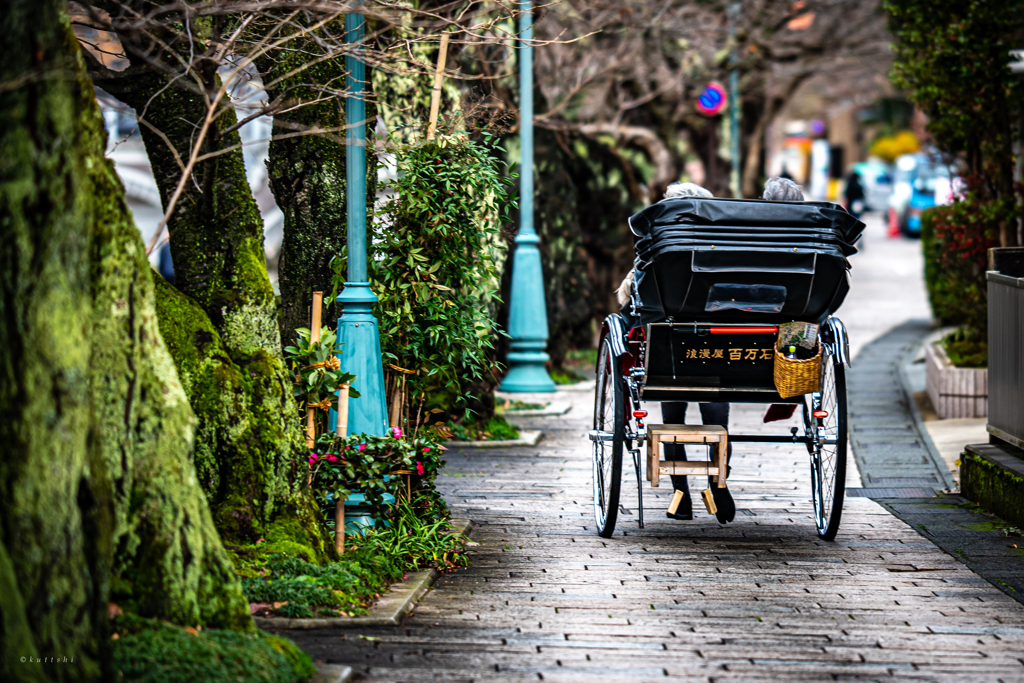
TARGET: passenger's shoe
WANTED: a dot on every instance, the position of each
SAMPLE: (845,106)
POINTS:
(726,506)
(684,510)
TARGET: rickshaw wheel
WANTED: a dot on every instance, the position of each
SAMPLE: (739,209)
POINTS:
(828,456)
(609,416)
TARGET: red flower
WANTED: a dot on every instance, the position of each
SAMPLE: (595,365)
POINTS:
(419,468)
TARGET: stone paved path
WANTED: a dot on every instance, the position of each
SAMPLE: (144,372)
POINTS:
(759,599)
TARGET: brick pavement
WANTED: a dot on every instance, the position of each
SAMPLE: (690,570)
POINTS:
(759,599)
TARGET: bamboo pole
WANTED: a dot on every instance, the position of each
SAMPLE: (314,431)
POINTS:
(435,95)
(314,336)
(339,503)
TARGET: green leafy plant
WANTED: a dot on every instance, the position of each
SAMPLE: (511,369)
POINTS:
(317,370)
(359,463)
(422,543)
(434,267)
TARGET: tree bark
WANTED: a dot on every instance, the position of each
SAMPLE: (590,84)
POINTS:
(223,335)
(101,501)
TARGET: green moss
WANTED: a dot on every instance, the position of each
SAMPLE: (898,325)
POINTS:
(247,446)
(150,651)
(993,487)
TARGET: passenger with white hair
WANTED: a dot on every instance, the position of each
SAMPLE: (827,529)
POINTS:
(674,412)
(782,190)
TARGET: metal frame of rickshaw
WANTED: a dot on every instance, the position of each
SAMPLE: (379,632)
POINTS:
(836,349)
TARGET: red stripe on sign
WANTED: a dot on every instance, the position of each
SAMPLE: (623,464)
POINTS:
(768,329)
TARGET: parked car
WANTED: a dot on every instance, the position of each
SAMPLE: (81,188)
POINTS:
(921,182)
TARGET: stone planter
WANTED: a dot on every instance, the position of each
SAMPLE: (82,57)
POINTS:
(954,392)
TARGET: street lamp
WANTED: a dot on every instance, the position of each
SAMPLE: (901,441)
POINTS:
(734,103)
(527,315)
(357,326)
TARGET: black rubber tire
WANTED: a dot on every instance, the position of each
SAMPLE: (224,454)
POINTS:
(609,415)
(828,461)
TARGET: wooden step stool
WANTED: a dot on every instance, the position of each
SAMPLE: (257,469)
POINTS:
(691,434)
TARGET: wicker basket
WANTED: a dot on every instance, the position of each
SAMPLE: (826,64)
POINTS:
(796,377)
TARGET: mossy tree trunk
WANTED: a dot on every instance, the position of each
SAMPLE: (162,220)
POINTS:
(223,332)
(100,490)
(307,175)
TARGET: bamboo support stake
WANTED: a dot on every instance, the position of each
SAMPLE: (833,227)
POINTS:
(435,95)
(314,336)
(339,503)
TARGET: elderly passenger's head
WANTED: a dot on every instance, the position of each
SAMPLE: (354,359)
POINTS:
(681,190)
(782,190)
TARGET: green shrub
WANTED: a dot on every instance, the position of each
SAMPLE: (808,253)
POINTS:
(151,651)
(434,267)
(359,463)
(956,240)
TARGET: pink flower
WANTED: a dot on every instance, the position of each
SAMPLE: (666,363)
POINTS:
(312,458)
(396,432)
(427,449)
(332,458)
(419,468)
(362,447)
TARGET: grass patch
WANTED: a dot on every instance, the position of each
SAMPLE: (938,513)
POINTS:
(151,651)
(565,375)
(492,429)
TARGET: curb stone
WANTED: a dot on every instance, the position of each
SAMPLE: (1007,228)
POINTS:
(526,438)
(926,439)
(556,408)
(331,673)
(389,610)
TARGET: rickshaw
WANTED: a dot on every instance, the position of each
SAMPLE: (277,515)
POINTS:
(713,282)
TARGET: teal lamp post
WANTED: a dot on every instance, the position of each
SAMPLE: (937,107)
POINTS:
(527,315)
(357,326)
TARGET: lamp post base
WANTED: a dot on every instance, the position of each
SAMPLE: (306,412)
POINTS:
(527,374)
(360,354)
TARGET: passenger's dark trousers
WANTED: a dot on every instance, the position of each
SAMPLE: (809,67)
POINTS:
(674,413)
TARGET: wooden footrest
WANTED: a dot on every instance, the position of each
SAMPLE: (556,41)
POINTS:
(705,435)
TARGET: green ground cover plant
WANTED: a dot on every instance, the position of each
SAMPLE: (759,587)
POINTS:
(154,651)
(284,586)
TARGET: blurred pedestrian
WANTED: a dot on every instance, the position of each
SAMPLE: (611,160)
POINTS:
(854,195)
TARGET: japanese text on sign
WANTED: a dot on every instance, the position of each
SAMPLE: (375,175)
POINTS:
(734,354)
